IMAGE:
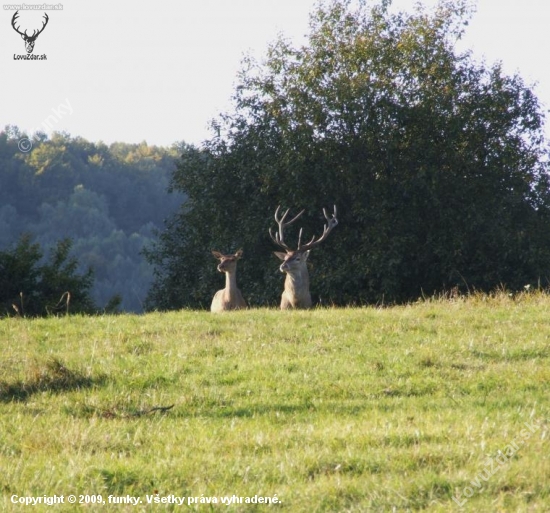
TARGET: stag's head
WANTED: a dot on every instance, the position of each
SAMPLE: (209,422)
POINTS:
(29,40)
(294,260)
(228,263)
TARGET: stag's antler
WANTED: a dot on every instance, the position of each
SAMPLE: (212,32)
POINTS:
(279,238)
(331,223)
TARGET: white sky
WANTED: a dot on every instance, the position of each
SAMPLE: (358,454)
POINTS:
(159,71)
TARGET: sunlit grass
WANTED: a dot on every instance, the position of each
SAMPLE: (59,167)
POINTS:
(359,409)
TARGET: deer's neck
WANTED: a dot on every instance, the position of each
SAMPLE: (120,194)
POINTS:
(297,283)
(230,283)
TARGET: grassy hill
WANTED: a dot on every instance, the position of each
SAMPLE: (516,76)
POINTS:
(437,406)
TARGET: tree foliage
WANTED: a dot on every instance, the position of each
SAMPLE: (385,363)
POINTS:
(108,200)
(437,164)
(32,287)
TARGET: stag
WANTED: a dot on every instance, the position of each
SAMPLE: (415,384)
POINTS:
(296,293)
(229,298)
(29,40)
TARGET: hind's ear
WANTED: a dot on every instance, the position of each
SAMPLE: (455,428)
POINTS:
(239,254)
(217,255)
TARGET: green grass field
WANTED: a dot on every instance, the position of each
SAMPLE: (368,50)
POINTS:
(437,406)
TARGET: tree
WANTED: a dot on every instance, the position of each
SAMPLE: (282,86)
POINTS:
(109,200)
(437,164)
(31,287)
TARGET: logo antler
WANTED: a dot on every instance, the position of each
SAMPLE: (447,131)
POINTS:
(29,40)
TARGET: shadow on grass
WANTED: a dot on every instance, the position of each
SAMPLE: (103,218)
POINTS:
(116,411)
(273,411)
(52,376)
(131,411)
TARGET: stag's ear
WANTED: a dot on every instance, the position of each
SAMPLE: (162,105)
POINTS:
(280,254)
(239,254)
(305,254)
(217,254)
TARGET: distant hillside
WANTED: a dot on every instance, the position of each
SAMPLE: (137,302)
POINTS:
(109,200)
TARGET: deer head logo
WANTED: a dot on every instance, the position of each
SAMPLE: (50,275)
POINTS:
(29,40)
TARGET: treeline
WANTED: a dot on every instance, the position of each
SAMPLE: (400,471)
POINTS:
(108,201)
(438,165)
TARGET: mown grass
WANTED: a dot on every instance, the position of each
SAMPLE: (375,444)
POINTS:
(360,409)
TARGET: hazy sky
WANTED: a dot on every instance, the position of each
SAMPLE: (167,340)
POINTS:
(159,71)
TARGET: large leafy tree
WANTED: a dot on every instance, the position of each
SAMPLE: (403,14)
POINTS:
(437,164)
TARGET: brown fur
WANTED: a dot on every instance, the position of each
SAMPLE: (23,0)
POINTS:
(229,298)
